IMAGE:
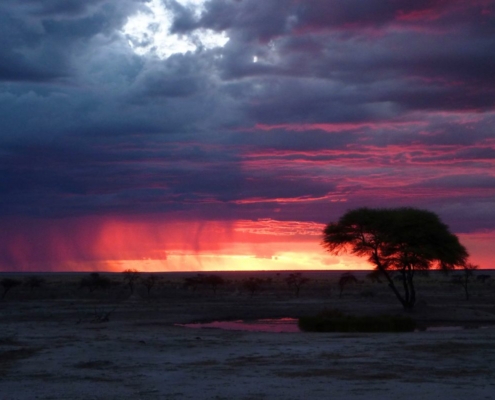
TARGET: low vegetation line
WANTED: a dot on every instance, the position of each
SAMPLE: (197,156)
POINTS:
(338,322)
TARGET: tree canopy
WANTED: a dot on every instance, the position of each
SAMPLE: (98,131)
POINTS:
(401,239)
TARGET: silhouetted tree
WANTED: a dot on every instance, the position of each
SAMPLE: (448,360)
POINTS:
(402,239)
(34,282)
(483,278)
(95,281)
(8,284)
(295,281)
(130,278)
(214,281)
(193,282)
(346,279)
(149,283)
(468,270)
(252,285)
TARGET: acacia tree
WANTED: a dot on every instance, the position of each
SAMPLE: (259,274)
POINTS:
(406,240)
(295,281)
(95,281)
(149,283)
(130,277)
(253,285)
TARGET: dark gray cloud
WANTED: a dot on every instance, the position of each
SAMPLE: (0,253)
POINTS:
(39,38)
(359,103)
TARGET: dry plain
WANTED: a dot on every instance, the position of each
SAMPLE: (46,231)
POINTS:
(54,344)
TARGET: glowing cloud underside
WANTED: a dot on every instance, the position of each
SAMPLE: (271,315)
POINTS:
(104,243)
(148,32)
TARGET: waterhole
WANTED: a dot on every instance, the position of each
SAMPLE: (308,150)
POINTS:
(276,325)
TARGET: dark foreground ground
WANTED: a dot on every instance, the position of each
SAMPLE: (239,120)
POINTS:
(61,341)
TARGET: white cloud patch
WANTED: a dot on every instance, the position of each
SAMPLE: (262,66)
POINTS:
(149,31)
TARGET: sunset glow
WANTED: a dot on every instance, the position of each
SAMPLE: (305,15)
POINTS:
(163,246)
(114,245)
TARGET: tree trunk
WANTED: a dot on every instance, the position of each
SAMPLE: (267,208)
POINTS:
(410,285)
(405,302)
(405,283)
(391,285)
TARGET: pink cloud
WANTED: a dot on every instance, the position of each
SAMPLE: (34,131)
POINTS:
(337,127)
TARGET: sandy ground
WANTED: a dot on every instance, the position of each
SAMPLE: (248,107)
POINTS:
(50,349)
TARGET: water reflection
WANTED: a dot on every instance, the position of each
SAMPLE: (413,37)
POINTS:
(276,325)
(281,325)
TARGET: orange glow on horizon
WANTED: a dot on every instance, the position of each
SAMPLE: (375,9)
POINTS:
(155,245)
(214,246)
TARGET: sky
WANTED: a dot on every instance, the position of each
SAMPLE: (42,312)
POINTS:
(171,135)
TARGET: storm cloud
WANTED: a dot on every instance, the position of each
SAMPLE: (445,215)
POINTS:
(311,108)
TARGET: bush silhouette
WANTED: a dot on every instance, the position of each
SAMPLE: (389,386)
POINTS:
(213,281)
(253,285)
(346,279)
(149,283)
(335,321)
(131,276)
(295,281)
(94,281)
(8,284)
(34,282)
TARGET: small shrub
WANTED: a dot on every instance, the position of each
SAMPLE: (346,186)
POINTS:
(295,281)
(34,282)
(149,283)
(193,282)
(483,278)
(95,281)
(8,284)
(214,281)
(335,321)
(131,276)
(346,279)
(253,285)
